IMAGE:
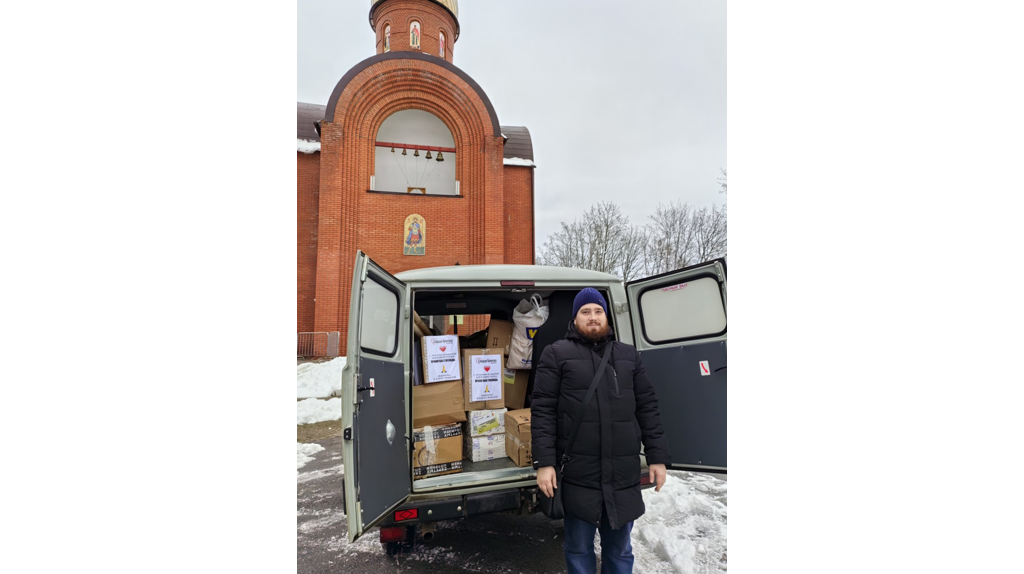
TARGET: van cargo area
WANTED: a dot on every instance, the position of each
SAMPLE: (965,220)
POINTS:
(440,311)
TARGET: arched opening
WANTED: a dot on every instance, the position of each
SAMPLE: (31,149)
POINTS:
(415,153)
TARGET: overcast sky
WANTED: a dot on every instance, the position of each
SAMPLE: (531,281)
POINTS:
(625,101)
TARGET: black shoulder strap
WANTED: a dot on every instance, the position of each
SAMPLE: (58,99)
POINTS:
(586,401)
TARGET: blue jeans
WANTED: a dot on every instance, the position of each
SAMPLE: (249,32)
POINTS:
(616,549)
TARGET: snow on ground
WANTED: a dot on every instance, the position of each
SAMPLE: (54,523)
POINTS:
(317,410)
(685,526)
(306,452)
(319,380)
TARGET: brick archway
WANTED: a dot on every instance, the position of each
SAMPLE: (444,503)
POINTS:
(468,229)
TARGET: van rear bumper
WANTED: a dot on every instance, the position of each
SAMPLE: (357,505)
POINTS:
(454,507)
(521,499)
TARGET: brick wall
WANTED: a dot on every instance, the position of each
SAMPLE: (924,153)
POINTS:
(432,18)
(308,211)
(519,241)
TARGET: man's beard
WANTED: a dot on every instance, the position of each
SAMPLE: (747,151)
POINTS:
(593,336)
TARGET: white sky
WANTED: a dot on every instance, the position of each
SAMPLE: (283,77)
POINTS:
(625,102)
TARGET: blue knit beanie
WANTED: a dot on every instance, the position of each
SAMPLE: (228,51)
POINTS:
(588,295)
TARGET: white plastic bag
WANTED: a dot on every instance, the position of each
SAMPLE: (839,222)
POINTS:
(529,314)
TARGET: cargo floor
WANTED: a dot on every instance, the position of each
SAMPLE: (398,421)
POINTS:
(477,473)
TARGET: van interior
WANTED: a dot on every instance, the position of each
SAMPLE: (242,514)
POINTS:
(437,306)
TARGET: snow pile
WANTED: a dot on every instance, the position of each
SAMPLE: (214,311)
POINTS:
(685,526)
(317,410)
(307,146)
(306,452)
(519,161)
(319,380)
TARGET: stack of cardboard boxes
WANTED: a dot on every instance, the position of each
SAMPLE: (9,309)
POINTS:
(438,410)
(462,398)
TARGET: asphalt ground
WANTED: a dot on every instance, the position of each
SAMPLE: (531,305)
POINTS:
(494,543)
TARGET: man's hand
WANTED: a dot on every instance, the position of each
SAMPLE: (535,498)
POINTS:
(658,475)
(546,480)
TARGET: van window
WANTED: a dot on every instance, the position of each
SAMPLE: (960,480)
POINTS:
(672,312)
(378,332)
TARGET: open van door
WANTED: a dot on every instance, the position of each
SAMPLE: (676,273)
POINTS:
(679,328)
(375,449)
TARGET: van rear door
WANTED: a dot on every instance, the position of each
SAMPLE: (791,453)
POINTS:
(679,328)
(373,405)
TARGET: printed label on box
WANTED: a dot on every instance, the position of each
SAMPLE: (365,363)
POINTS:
(485,376)
(442,362)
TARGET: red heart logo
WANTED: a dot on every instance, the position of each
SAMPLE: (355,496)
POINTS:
(487,368)
(443,348)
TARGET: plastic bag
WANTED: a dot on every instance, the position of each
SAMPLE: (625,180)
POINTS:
(529,314)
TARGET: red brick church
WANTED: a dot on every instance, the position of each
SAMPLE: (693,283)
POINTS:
(408,162)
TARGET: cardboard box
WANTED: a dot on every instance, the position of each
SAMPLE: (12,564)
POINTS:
(441,359)
(481,448)
(486,422)
(515,382)
(519,452)
(517,424)
(490,379)
(499,335)
(438,404)
(437,450)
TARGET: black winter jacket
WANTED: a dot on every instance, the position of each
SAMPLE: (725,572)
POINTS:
(603,472)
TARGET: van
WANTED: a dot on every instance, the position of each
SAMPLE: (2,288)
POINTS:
(676,320)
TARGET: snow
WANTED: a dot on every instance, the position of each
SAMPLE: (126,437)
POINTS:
(318,410)
(306,452)
(319,380)
(519,161)
(685,527)
(308,146)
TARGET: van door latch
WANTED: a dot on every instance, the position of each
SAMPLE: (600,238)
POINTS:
(348,433)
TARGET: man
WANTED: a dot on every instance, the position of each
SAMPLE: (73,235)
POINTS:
(601,483)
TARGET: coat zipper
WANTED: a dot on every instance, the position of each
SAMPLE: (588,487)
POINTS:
(616,378)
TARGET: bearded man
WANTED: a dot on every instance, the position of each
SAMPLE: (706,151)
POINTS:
(601,480)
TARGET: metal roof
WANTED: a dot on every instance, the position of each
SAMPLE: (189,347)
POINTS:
(519,143)
(309,115)
(462,273)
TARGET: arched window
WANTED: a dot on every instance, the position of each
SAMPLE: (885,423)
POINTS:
(414,34)
(414,153)
(387,37)
(440,37)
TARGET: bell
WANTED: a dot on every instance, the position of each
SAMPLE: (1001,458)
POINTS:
(392,149)
(416,153)
(440,157)
(403,152)
(428,154)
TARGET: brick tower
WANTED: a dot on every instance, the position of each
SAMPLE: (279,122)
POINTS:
(404,134)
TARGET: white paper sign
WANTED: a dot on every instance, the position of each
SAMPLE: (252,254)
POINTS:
(442,360)
(486,378)
(705,369)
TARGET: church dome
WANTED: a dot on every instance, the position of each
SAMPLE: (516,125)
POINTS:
(451,5)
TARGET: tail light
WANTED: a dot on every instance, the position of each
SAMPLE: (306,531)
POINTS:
(392,534)
(645,478)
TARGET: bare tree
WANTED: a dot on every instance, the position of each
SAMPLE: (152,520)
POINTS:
(596,241)
(710,237)
(722,180)
(672,238)
(634,252)
(603,240)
